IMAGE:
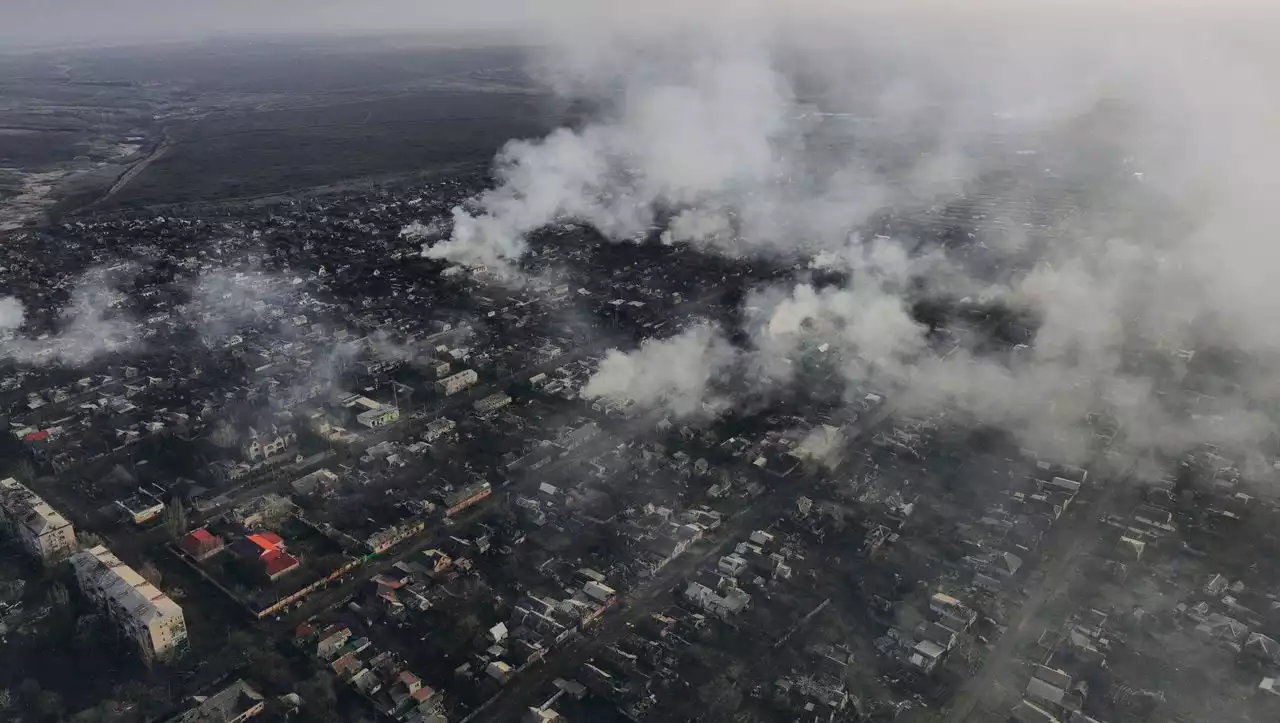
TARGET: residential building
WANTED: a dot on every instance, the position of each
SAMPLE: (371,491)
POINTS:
(320,482)
(1052,689)
(331,641)
(389,536)
(731,602)
(234,704)
(491,403)
(439,428)
(265,446)
(201,544)
(267,549)
(262,511)
(598,591)
(135,606)
(467,496)
(140,508)
(1028,712)
(541,715)
(955,614)
(926,655)
(732,565)
(455,383)
(379,416)
(499,671)
(42,530)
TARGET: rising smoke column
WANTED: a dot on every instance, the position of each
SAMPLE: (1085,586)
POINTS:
(1123,186)
(705,136)
(12,313)
(673,376)
(88,325)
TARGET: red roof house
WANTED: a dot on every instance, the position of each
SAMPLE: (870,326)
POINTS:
(278,564)
(267,541)
(268,549)
(201,544)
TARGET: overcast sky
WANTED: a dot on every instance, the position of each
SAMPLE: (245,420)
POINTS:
(35,22)
(41,22)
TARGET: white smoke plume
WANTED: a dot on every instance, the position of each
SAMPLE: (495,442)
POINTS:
(89,326)
(1117,190)
(12,313)
(674,375)
(418,231)
(225,301)
(707,136)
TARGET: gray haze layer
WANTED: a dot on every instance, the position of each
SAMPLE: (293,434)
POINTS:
(780,130)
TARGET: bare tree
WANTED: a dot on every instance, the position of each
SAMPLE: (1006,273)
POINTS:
(150,573)
(225,436)
(175,519)
(88,539)
(58,595)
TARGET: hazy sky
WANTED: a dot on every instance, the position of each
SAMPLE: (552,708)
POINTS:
(39,22)
(33,22)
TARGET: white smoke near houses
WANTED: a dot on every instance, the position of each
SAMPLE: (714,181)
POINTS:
(675,376)
(223,302)
(12,313)
(92,323)
(1078,168)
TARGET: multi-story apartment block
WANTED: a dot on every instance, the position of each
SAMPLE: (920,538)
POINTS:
(453,384)
(42,530)
(135,606)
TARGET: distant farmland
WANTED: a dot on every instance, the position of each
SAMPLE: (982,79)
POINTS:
(282,150)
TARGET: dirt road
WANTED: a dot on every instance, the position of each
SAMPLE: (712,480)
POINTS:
(1077,532)
(166,143)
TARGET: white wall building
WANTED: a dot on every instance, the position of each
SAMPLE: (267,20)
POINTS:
(732,602)
(457,382)
(379,416)
(135,606)
(42,530)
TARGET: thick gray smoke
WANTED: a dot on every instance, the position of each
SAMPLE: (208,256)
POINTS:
(91,323)
(1082,167)
(673,375)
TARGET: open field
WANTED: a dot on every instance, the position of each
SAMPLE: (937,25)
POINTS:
(132,127)
(282,150)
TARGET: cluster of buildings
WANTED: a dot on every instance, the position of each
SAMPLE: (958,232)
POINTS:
(291,427)
(379,676)
(137,609)
(460,516)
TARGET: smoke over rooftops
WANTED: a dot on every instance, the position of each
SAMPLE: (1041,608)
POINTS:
(1043,157)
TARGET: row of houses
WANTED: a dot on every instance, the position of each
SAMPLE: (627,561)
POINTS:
(381,677)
